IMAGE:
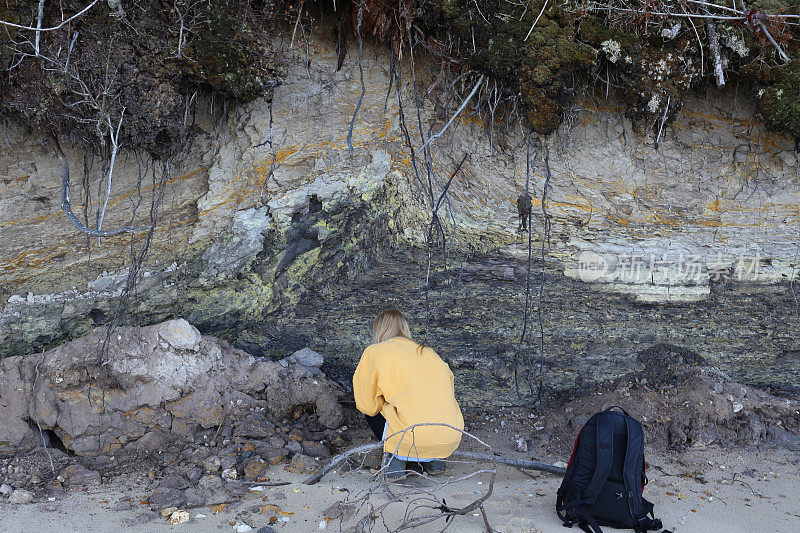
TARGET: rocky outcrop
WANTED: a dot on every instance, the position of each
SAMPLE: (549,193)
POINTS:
(130,386)
(692,244)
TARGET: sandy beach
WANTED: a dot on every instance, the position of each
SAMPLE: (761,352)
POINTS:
(707,490)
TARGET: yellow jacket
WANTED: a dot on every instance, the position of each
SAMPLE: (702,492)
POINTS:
(408,386)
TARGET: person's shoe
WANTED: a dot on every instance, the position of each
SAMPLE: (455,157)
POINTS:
(435,467)
(396,468)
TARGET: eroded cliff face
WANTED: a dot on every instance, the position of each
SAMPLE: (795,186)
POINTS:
(693,244)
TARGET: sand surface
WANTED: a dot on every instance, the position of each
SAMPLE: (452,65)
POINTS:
(707,490)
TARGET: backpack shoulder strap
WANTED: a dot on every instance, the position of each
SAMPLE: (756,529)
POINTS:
(633,473)
(603,457)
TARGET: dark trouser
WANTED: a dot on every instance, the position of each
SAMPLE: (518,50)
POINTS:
(376,424)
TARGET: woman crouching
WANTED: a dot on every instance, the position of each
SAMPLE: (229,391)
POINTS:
(399,384)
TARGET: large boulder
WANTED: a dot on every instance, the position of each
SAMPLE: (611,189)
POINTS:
(112,388)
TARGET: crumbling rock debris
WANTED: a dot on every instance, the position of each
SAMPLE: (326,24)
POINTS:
(154,385)
(20,496)
(682,403)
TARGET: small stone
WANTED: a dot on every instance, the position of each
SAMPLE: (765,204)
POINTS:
(560,464)
(179,517)
(255,426)
(78,475)
(316,449)
(294,446)
(195,498)
(163,498)
(256,469)
(194,474)
(242,528)
(55,487)
(227,461)
(6,490)
(303,464)
(180,334)
(173,482)
(20,496)
(210,482)
(266,529)
(307,357)
(212,464)
(274,456)
(167,511)
(229,474)
(522,445)
(236,489)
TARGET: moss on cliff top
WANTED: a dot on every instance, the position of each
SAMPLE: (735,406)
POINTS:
(496,39)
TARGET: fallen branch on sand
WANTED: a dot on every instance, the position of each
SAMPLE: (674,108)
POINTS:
(366,448)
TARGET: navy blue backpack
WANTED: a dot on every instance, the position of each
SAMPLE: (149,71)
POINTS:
(605,477)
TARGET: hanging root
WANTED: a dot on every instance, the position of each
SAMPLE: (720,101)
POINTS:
(713,44)
(361,73)
(67,206)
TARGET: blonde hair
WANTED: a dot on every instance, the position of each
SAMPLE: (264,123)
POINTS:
(390,324)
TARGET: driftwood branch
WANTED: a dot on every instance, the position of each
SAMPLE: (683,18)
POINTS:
(366,448)
(339,459)
(422,501)
(519,463)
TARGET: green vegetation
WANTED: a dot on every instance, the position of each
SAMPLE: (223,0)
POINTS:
(151,61)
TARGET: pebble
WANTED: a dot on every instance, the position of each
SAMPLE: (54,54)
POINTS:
(6,490)
(212,464)
(522,445)
(210,482)
(242,528)
(179,517)
(229,474)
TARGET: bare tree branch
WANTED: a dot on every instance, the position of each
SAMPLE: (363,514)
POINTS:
(39,28)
